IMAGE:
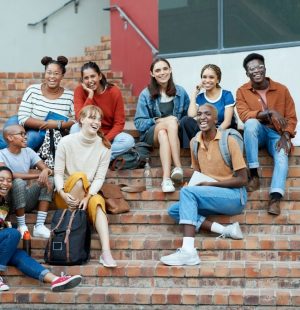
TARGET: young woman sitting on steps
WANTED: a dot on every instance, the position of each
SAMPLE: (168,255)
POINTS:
(81,164)
(160,108)
(11,255)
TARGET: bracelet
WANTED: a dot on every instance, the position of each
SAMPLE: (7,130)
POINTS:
(59,123)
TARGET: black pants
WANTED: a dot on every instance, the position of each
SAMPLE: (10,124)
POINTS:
(187,131)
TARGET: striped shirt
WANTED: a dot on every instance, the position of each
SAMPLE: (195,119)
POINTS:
(34,104)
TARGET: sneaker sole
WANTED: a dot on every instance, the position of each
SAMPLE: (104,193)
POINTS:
(177,177)
(102,262)
(170,263)
(238,235)
(70,284)
(169,191)
(40,236)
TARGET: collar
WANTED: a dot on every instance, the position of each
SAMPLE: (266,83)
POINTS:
(272,85)
(85,139)
(200,138)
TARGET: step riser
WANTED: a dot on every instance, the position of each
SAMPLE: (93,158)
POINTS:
(157,282)
(205,255)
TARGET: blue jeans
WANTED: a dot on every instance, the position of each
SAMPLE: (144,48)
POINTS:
(120,144)
(10,255)
(256,136)
(35,138)
(197,202)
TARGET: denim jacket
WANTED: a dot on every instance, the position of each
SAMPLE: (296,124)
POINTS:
(147,109)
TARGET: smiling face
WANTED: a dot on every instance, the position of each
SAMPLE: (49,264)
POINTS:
(207,118)
(209,79)
(5,182)
(16,136)
(256,71)
(91,79)
(53,75)
(90,124)
(162,73)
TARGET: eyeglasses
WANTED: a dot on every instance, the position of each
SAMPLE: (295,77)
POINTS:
(21,133)
(55,74)
(259,68)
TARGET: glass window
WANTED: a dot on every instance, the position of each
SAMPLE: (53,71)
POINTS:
(193,25)
(187,25)
(259,22)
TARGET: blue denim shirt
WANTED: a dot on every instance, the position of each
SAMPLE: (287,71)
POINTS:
(147,109)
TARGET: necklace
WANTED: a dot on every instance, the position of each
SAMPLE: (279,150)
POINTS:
(102,91)
(54,92)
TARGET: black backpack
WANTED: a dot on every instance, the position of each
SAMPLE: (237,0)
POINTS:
(70,239)
(134,158)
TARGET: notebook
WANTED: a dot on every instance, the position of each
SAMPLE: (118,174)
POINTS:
(56,116)
(199,177)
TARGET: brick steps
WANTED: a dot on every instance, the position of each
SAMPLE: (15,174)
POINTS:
(154,274)
(288,220)
(131,297)
(149,246)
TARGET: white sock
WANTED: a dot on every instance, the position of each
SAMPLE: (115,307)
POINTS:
(217,228)
(41,218)
(21,220)
(188,244)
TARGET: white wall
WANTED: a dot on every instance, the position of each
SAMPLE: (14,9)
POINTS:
(67,33)
(282,65)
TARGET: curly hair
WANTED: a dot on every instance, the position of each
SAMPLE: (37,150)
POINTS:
(216,69)
(62,61)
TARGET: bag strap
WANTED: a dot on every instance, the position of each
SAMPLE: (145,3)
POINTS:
(223,144)
(196,145)
(132,188)
(60,220)
(68,234)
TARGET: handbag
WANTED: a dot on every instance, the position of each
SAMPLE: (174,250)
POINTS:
(70,238)
(114,200)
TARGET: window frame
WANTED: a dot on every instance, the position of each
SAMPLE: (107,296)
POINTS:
(221,49)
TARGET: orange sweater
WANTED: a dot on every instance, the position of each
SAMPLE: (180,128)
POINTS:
(248,103)
(112,105)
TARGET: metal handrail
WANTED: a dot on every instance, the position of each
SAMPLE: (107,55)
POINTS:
(44,20)
(126,19)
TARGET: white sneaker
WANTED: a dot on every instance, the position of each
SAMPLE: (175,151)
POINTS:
(232,231)
(167,186)
(177,174)
(3,286)
(41,231)
(181,257)
(22,229)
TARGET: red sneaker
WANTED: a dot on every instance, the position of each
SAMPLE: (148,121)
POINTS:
(65,282)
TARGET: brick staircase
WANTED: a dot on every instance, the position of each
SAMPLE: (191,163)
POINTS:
(259,272)
(262,271)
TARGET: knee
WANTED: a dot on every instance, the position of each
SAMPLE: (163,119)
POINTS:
(14,235)
(252,125)
(173,125)
(19,184)
(162,135)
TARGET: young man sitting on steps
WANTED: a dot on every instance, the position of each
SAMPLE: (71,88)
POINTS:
(225,196)
(268,111)
(20,159)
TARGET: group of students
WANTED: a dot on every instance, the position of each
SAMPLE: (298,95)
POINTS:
(166,118)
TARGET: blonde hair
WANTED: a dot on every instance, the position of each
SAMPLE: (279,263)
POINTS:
(92,110)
